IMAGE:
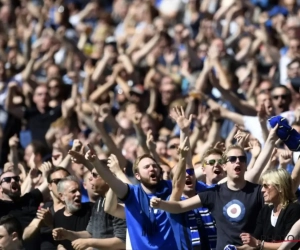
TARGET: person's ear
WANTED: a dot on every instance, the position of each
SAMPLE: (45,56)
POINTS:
(137,176)
(203,169)
(61,196)
(84,185)
(14,236)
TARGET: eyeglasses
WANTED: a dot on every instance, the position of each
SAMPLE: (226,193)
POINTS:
(266,90)
(266,186)
(95,175)
(276,97)
(233,159)
(8,179)
(190,171)
(212,162)
(174,146)
(56,181)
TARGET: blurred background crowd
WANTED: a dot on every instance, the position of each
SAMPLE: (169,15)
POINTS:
(232,64)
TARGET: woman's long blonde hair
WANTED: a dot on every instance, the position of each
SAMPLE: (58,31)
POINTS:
(282,181)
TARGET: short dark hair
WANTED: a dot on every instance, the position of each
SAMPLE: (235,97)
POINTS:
(288,92)
(54,170)
(11,224)
(39,148)
(8,171)
(296,60)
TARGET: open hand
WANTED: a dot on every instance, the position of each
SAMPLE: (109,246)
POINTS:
(179,116)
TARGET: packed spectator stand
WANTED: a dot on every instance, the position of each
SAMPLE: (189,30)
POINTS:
(149,124)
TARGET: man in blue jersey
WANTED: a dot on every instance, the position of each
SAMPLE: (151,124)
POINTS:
(196,229)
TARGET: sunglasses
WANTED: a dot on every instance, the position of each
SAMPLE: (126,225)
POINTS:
(190,171)
(276,97)
(56,181)
(233,159)
(266,186)
(174,146)
(8,179)
(213,162)
(95,175)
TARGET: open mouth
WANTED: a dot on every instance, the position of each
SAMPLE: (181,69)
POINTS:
(188,182)
(77,201)
(217,171)
(153,176)
(15,187)
(237,170)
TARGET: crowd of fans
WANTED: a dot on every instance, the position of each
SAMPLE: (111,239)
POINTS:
(144,124)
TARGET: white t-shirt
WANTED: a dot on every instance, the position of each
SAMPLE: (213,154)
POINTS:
(128,243)
(252,124)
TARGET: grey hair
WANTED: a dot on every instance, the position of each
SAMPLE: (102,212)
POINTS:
(61,184)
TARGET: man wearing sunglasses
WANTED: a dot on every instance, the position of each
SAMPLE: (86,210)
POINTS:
(234,204)
(22,207)
(197,223)
(41,226)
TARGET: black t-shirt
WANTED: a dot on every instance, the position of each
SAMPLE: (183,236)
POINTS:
(23,209)
(46,239)
(234,211)
(39,123)
(76,222)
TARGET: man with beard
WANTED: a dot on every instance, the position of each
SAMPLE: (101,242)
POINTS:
(148,228)
(74,216)
(22,208)
(10,233)
(103,231)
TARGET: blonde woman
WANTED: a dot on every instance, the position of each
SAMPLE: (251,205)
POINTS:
(279,214)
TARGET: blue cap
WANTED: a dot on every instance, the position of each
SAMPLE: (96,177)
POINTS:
(277,10)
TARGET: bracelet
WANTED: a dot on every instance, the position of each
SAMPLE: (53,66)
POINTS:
(262,245)
(258,244)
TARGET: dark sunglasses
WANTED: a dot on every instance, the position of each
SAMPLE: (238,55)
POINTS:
(266,186)
(95,175)
(233,159)
(213,162)
(190,171)
(8,179)
(56,181)
(174,146)
(276,97)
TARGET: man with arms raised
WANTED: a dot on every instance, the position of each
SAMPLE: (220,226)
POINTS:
(234,204)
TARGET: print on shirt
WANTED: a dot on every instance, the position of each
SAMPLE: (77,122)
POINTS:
(234,211)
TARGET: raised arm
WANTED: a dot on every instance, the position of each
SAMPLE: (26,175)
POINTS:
(178,180)
(112,207)
(142,139)
(253,174)
(296,176)
(184,124)
(119,187)
(176,207)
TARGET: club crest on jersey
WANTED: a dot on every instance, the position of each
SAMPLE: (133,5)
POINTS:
(234,211)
